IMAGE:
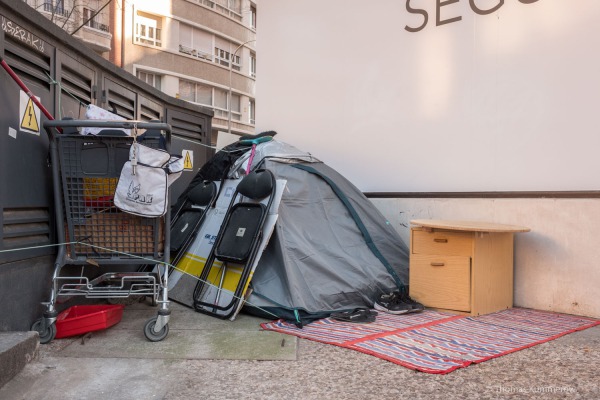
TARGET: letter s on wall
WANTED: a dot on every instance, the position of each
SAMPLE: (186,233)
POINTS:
(417,11)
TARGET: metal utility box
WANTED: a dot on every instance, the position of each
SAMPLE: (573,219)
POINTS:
(66,76)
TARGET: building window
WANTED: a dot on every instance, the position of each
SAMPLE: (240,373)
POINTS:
(149,78)
(236,113)
(235,6)
(187,90)
(212,97)
(252,65)
(147,30)
(204,94)
(253,17)
(195,42)
(222,57)
(252,112)
(88,16)
(231,8)
(91,19)
(220,104)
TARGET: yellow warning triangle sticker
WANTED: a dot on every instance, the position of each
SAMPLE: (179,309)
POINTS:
(187,162)
(30,121)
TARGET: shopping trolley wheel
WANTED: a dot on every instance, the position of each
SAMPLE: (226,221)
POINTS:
(46,335)
(154,336)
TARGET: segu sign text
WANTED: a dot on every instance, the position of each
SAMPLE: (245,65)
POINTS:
(476,7)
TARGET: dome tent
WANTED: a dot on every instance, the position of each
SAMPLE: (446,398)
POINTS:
(331,250)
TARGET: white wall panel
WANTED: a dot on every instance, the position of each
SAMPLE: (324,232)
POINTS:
(507,101)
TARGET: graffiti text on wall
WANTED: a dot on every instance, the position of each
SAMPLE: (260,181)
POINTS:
(12,29)
(447,17)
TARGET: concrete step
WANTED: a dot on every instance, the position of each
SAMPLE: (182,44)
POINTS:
(16,350)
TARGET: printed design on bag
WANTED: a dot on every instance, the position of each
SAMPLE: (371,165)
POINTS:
(133,194)
(211,238)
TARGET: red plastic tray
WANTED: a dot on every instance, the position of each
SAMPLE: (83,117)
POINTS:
(78,320)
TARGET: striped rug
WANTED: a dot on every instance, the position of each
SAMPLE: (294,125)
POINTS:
(439,343)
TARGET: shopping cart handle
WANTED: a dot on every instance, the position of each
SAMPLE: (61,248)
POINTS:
(97,123)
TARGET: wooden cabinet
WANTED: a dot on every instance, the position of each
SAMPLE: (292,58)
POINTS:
(462,266)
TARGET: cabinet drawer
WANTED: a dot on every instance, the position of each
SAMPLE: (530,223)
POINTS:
(442,243)
(441,281)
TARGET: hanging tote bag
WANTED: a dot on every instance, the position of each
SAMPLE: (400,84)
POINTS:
(145,179)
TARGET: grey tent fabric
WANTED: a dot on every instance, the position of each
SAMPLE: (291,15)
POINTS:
(318,260)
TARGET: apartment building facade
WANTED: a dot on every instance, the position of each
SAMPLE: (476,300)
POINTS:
(86,20)
(201,51)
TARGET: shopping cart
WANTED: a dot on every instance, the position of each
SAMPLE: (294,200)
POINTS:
(95,236)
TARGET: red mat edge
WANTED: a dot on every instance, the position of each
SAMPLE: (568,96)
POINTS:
(351,343)
(371,353)
(581,328)
(463,363)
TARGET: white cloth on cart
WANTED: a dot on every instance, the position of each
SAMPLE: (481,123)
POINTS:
(97,113)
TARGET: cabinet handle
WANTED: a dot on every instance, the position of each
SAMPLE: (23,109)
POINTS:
(437,264)
(440,240)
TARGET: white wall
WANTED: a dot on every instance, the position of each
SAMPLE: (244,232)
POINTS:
(556,264)
(507,101)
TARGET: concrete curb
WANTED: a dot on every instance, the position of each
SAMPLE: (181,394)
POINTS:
(17,349)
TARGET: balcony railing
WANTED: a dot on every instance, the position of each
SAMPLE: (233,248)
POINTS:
(97,25)
(58,10)
(195,53)
(235,115)
(221,113)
